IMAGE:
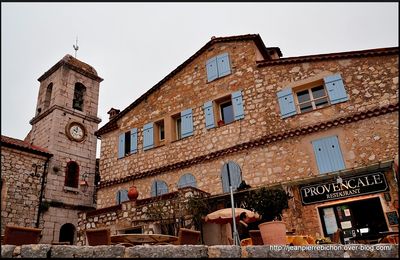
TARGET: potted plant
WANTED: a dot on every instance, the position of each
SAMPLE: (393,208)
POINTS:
(269,204)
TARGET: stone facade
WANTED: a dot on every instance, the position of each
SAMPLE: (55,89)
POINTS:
(68,94)
(21,171)
(268,149)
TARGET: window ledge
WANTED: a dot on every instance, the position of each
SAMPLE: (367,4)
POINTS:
(71,189)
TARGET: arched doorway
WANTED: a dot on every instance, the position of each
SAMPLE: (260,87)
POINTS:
(67,233)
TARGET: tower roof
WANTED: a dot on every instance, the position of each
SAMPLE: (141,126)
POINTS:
(74,64)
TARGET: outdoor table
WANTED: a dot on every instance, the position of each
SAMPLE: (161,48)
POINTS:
(138,239)
(298,240)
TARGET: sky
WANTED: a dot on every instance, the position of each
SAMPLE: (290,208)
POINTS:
(133,46)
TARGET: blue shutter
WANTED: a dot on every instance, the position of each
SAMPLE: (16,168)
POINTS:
(187,123)
(124,195)
(187,180)
(335,87)
(225,178)
(209,114)
(237,103)
(121,145)
(224,67)
(148,136)
(328,154)
(286,103)
(235,175)
(134,140)
(154,189)
(118,198)
(162,188)
(121,196)
(212,71)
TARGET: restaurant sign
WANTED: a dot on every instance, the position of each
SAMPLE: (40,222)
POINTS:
(349,187)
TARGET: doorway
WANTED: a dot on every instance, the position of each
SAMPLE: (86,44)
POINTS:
(67,233)
(362,217)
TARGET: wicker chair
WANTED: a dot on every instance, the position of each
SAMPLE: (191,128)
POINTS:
(256,238)
(100,236)
(337,237)
(390,239)
(16,235)
(188,237)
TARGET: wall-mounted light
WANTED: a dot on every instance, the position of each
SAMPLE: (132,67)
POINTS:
(83,182)
(339,180)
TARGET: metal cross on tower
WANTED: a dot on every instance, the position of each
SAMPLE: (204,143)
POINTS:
(76,47)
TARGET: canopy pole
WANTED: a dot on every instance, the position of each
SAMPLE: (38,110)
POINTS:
(236,238)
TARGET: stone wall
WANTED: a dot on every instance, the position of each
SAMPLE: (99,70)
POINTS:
(21,184)
(371,82)
(201,251)
(147,214)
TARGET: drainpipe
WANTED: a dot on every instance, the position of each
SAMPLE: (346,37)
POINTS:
(42,186)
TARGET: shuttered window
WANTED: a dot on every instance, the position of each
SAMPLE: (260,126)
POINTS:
(186,123)
(158,188)
(187,180)
(336,91)
(148,136)
(230,176)
(121,196)
(133,146)
(121,145)
(328,154)
(127,143)
(237,103)
(286,103)
(324,92)
(218,66)
(209,114)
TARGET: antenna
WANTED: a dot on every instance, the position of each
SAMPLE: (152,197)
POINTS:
(76,47)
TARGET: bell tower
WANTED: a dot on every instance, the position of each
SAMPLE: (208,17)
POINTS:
(64,124)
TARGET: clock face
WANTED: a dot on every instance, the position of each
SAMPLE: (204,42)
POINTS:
(75,131)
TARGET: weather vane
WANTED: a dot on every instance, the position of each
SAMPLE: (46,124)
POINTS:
(76,47)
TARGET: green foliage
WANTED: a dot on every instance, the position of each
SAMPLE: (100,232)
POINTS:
(198,207)
(269,203)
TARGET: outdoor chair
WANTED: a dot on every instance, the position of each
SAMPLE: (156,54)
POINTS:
(100,236)
(337,237)
(17,235)
(188,237)
(256,238)
(390,239)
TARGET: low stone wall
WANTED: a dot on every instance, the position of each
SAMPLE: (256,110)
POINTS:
(201,251)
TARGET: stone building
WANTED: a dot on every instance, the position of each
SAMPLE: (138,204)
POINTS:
(236,110)
(22,165)
(62,145)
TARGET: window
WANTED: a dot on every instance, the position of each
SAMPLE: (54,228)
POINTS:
(79,94)
(48,96)
(226,112)
(312,98)
(122,195)
(218,67)
(324,92)
(158,188)
(328,154)
(159,132)
(230,176)
(127,143)
(182,125)
(187,180)
(72,175)
(228,109)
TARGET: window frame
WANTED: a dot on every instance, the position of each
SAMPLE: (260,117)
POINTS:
(74,179)
(159,129)
(312,100)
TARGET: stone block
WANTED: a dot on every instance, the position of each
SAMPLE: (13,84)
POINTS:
(224,251)
(167,251)
(7,251)
(35,251)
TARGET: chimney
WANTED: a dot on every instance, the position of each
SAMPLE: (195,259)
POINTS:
(113,112)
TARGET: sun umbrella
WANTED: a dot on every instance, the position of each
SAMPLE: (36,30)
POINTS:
(223,216)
